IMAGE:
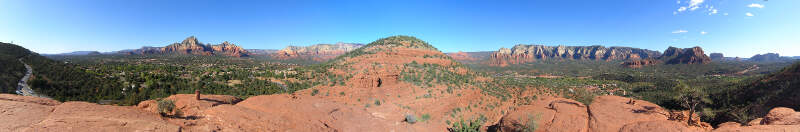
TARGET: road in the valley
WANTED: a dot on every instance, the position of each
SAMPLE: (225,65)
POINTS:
(22,86)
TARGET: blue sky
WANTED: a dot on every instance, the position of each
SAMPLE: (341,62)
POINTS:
(733,27)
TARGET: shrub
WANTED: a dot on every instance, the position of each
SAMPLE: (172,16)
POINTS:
(466,126)
(165,107)
(425,117)
(377,102)
(531,125)
(314,92)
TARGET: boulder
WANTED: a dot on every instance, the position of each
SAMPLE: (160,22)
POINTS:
(782,116)
(780,119)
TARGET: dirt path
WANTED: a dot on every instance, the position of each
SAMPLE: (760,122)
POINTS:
(751,68)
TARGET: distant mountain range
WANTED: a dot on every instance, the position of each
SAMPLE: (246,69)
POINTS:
(192,46)
(521,53)
(79,53)
(634,57)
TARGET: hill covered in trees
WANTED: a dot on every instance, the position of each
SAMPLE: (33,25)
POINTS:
(55,79)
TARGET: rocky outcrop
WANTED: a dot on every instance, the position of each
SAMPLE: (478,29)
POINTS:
(768,57)
(781,116)
(470,56)
(192,46)
(692,55)
(605,114)
(780,119)
(317,52)
(461,56)
(716,56)
(264,52)
(190,106)
(20,112)
(549,114)
(228,49)
(640,63)
(530,53)
(24,113)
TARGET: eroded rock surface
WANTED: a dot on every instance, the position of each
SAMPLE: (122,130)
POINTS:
(550,114)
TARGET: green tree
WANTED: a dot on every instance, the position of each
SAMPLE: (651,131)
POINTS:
(690,98)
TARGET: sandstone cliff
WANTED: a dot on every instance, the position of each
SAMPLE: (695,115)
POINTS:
(530,53)
(192,46)
(692,55)
(640,63)
(318,52)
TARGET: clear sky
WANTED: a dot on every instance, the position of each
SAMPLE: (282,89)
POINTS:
(733,27)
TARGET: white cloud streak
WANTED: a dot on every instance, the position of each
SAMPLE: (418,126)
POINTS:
(749,14)
(679,31)
(692,5)
(754,5)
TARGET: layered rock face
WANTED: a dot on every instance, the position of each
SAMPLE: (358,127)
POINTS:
(192,46)
(673,55)
(318,52)
(640,63)
(692,55)
(530,53)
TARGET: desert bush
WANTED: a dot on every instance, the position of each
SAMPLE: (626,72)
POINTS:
(314,92)
(166,107)
(466,126)
(425,117)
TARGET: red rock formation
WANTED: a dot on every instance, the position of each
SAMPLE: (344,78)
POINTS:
(782,116)
(190,45)
(318,52)
(692,55)
(780,119)
(640,63)
(461,56)
(228,49)
(530,53)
